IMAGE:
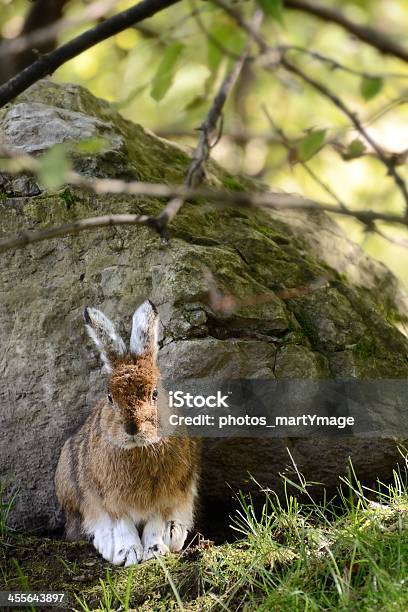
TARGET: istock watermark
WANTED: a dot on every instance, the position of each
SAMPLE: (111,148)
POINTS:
(179,399)
(284,408)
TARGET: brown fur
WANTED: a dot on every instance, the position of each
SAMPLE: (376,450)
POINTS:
(95,474)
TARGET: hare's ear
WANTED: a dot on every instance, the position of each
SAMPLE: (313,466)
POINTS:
(102,332)
(145,325)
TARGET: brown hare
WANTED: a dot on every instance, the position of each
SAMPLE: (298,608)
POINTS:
(119,483)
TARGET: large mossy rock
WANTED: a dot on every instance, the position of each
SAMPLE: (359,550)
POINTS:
(346,327)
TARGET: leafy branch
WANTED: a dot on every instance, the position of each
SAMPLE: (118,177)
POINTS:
(271,58)
(48,63)
(338,102)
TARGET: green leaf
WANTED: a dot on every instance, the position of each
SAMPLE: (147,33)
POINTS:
(91,146)
(355,148)
(311,144)
(163,78)
(54,165)
(229,38)
(371,86)
(273,8)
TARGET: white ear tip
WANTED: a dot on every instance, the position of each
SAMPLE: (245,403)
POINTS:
(102,331)
(148,307)
(147,311)
(144,329)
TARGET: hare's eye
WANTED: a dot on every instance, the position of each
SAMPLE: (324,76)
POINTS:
(154,395)
(110,399)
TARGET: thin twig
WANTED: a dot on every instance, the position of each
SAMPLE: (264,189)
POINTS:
(370,226)
(195,172)
(70,229)
(400,242)
(372,37)
(336,65)
(287,143)
(380,113)
(241,137)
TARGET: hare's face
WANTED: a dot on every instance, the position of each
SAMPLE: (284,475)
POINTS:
(130,416)
(132,397)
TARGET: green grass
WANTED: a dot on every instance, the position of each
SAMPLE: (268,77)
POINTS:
(6,504)
(348,554)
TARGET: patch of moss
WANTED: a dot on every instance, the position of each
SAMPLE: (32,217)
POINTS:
(296,337)
(307,328)
(233,183)
(367,348)
(68,197)
(42,564)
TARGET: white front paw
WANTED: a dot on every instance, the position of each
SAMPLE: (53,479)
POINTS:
(103,539)
(128,549)
(175,535)
(118,542)
(153,550)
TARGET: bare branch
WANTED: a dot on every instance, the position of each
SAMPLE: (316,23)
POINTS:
(69,229)
(271,200)
(48,63)
(195,172)
(222,198)
(336,65)
(372,37)
(42,13)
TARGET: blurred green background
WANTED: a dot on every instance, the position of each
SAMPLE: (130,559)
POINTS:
(172,102)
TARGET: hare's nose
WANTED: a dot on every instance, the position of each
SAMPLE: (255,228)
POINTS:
(130,428)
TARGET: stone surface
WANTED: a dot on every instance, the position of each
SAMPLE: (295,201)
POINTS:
(24,128)
(347,326)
